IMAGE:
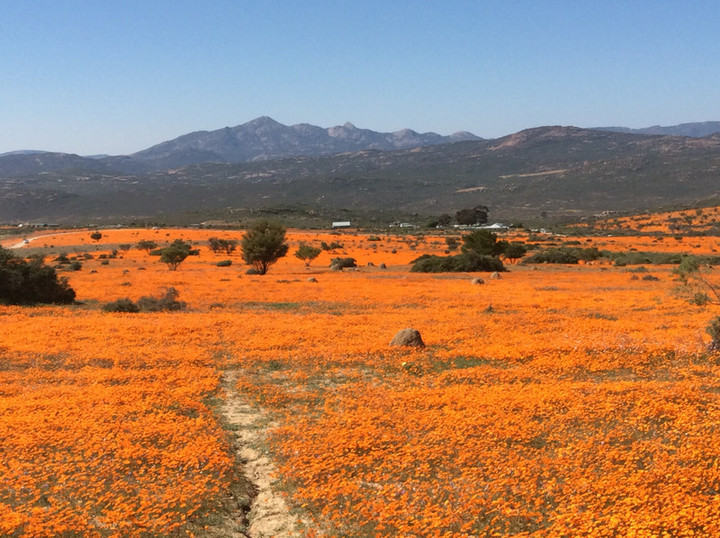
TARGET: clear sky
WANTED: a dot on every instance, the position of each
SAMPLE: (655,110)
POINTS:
(117,76)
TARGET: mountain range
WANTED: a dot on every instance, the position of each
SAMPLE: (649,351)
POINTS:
(556,171)
(698,129)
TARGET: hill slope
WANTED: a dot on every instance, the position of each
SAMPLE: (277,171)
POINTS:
(697,129)
(557,170)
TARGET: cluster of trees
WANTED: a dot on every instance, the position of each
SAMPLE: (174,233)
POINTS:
(227,246)
(480,251)
(465,217)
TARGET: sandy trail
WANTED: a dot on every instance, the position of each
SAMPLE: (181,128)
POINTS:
(269,515)
(29,240)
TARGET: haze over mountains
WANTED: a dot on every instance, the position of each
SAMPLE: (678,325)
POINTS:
(266,166)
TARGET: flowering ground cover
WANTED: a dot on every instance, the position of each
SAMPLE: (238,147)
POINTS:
(554,401)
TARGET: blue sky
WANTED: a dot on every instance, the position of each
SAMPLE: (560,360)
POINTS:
(116,77)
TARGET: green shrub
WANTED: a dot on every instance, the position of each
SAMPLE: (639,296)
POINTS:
(342,263)
(565,255)
(467,262)
(227,246)
(31,282)
(147,245)
(224,263)
(164,303)
(714,331)
(307,253)
(121,305)
(332,246)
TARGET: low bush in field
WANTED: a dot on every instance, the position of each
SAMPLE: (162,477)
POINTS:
(124,305)
(467,262)
(566,255)
(165,303)
(341,263)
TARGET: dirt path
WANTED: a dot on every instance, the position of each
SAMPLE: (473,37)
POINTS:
(269,515)
(26,241)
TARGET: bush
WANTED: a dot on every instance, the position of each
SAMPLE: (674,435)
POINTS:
(165,303)
(147,245)
(566,255)
(31,282)
(307,253)
(176,253)
(224,263)
(714,331)
(121,305)
(467,262)
(332,246)
(483,242)
(515,250)
(342,263)
(227,246)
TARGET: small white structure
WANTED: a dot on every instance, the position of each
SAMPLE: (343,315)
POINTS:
(341,224)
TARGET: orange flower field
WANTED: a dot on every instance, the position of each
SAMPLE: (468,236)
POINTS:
(571,400)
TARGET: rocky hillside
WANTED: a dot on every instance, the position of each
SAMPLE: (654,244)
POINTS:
(264,139)
(556,171)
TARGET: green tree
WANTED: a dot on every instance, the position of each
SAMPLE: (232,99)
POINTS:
(470,216)
(452,243)
(147,245)
(96,236)
(175,254)
(30,282)
(222,245)
(307,253)
(514,251)
(263,244)
(483,242)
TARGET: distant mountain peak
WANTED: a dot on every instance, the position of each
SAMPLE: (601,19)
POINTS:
(265,139)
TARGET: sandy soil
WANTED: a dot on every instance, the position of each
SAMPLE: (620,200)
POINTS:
(269,515)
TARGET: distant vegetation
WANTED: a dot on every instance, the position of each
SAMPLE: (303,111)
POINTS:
(480,252)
